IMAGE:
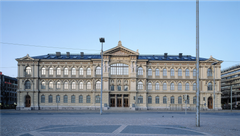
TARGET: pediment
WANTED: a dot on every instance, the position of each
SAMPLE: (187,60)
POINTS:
(120,50)
(211,59)
(27,57)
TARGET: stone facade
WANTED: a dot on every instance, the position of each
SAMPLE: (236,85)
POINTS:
(138,82)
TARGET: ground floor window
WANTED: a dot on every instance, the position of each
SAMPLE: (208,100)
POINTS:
(140,99)
(172,100)
(179,100)
(97,99)
(150,100)
(165,100)
(50,99)
(42,99)
(65,97)
(157,100)
(80,99)
(88,99)
(72,99)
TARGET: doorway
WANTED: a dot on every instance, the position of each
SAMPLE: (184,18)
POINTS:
(112,102)
(119,102)
(126,102)
(210,103)
(28,101)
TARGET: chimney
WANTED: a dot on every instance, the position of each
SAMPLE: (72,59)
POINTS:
(58,54)
(165,55)
(82,54)
(68,54)
(180,55)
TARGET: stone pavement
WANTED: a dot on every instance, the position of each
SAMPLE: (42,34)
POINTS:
(164,123)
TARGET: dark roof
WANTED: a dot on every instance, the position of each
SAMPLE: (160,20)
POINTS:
(147,57)
(10,78)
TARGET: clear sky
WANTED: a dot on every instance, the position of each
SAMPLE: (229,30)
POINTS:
(154,27)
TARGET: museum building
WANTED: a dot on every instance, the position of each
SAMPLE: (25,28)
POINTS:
(130,81)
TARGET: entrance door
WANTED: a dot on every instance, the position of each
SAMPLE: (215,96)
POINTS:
(112,102)
(119,102)
(28,101)
(210,103)
(126,102)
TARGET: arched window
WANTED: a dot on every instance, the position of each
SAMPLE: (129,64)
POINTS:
(149,86)
(179,72)
(157,99)
(140,85)
(58,71)
(172,72)
(66,85)
(165,99)
(194,86)
(164,86)
(172,100)
(81,71)
(50,85)
(150,99)
(57,99)
(65,71)
(73,99)
(140,99)
(42,99)
(194,100)
(65,99)
(58,85)
(179,86)
(89,71)
(27,84)
(98,85)
(119,69)
(164,72)
(73,85)
(172,86)
(88,85)
(97,99)
(209,86)
(149,72)
(98,71)
(187,86)
(209,72)
(88,100)
(179,100)
(140,71)
(80,99)
(73,71)
(43,85)
(187,72)
(81,85)
(194,72)
(157,86)
(157,73)
(43,71)
(28,70)
(50,71)
(50,99)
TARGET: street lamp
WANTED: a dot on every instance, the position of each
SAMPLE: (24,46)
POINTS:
(102,40)
(214,85)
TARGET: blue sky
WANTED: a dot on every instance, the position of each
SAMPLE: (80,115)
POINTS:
(155,27)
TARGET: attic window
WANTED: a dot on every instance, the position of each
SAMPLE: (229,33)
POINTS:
(74,57)
(52,57)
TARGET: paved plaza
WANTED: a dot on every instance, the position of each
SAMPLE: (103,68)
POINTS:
(134,123)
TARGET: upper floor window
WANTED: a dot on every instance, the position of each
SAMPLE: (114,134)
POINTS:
(179,86)
(194,86)
(81,85)
(81,71)
(58,85)
(66,85)
(27,84)
(73,85)
(50,71)
(140,71)
(58,71)
(73,71)
(43,71)
(140,85)
(210,86)
(149,86)
(164,72)
(43,85)
(50,85)
(172,72)
(209,72)
(88,85)
(119,69)
(157,73)
(179,72)
(164,86)
(194,72)
(89,71)
(157,86)
(65,71)
(98,71)
(187,72)
(149,72)
(28,71)
(187,86)
(112,87)
(98,85)
(172,86)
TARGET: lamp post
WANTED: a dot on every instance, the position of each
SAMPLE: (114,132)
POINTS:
(197,61)
(102,40)
(214,85)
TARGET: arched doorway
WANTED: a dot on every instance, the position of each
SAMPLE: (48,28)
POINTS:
(210,103)
(28,101)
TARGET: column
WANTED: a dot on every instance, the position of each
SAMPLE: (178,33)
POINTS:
(122,100)
(115,100)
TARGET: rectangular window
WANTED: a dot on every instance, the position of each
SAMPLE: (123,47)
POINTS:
(50,99)
(65,99)
(112,87)
(179,100)
(165,100)
(57,99)
(42,99)
(157,100)
(125,88)
(97,99)
(119,87)
(80,99)
(73,99)
(150,100)
(88,99)
(140,99)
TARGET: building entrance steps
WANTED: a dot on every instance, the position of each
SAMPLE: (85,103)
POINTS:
(119,109)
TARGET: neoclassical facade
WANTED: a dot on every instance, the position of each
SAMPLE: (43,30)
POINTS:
(130,80)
